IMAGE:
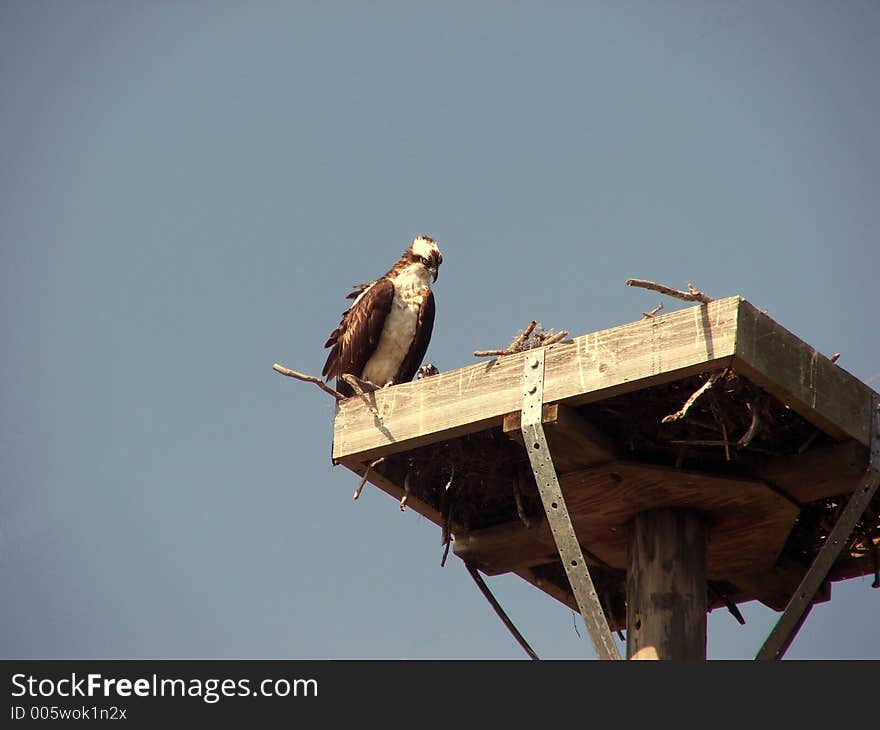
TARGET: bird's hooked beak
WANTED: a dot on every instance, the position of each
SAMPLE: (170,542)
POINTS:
(433,271)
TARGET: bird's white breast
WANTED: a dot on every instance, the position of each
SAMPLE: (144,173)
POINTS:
(411,286)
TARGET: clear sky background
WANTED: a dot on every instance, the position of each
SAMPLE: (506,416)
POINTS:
(189,189)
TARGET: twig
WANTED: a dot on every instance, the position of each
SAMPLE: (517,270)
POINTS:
(516,345)
(554,338)
(446,513)
(682,412)
(357,492)
(731,606)
(491,353)
(307,379)
(445,553)
(654,312)
(517,499)
(809,442)
(747,437)
(700,442)
(484,589)
(835,357)
(716,412)
(521,341)
(692,295)
(405,492)
(876,583)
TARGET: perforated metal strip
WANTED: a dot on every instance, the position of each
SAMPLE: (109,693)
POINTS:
(798,607)
(557,514)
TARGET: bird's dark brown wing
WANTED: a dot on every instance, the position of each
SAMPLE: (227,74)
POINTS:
(419,346)
(357,335)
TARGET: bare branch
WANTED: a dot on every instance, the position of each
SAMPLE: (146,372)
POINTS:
(692,295)
(517,499)
(552,339)
(516,344)
(357,492)
(682,412)
(747,437)
(405,496)
(527,339)
(654,312)
(505,619)
(307,379)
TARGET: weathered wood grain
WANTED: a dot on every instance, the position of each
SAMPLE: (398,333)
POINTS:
(822,472)
(816,388)
(574,442)
(748,522)
(591,367)
(666,586)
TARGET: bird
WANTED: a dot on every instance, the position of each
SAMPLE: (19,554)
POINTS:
(383,336)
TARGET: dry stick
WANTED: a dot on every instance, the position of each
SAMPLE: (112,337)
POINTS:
(516,345)
(682,412)
(307,379)
(484,589)
(554,338)
(446,537)
(718,417)
(517,499)
(876,583)
(446,512)
(747,437)
(699,442)
(405,492)
(809,442)
(693,295)
(357,492)
(731,606)
(835,357)
(491,353)
(654,312)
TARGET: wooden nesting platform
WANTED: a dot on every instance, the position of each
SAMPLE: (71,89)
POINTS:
(768,453)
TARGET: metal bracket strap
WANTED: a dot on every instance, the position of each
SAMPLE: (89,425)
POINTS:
(799,605)
(554,505)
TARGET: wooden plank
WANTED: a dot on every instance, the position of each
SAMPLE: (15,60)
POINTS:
(823,472)
(749,522)
(563,595)
(507,547)
(591,367)
(772,587)
(574,442)
(816,388)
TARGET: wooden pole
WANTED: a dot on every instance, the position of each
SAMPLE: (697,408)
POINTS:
(666,586)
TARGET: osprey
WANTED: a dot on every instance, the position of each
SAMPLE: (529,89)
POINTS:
(383,336)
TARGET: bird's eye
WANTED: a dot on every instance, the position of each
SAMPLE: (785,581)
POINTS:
(423,260)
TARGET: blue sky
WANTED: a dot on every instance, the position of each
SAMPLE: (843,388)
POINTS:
(188,190)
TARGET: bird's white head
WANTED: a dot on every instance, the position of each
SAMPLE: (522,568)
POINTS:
(424,251)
